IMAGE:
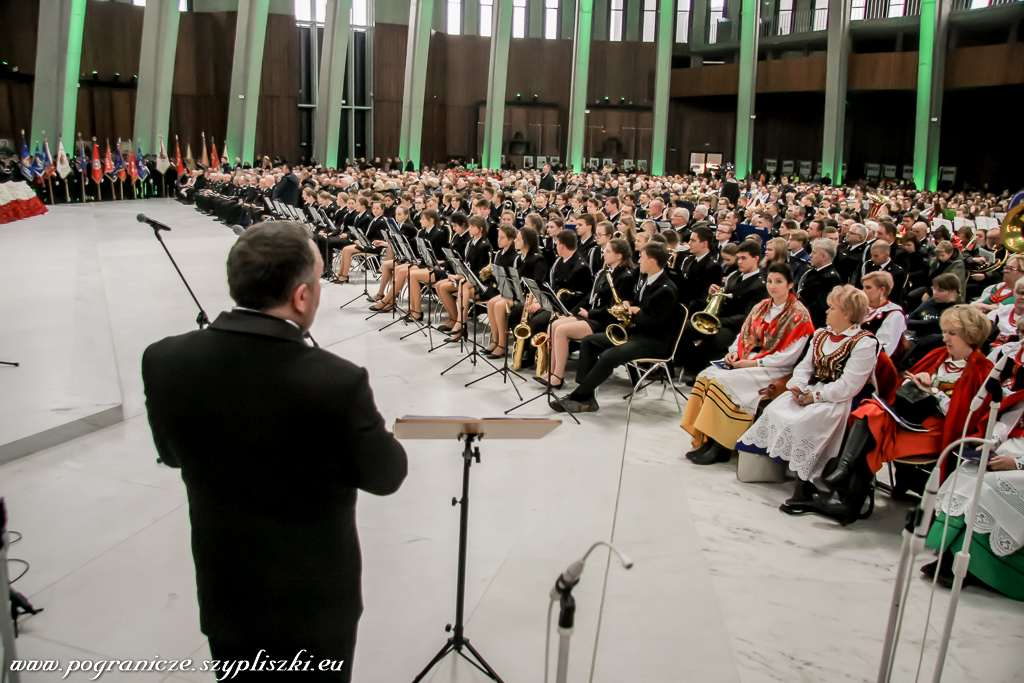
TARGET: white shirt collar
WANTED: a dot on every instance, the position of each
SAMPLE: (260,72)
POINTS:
(746,276)
(652,278)
(253,310)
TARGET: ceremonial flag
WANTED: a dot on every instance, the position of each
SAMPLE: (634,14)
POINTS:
(133,171)
(26,160)
(38,167)
(213,154)
(63,166)
(140,164)
(205,159)
(119,167)
(83,161)
(48,169)
(162,161)
(180,166)
(190,163)
(97,167)
(108,164)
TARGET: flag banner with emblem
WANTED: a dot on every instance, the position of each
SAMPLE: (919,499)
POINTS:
(162,161)
(48,170)
(63,165)
(119,167)
(26,160)
(180,166)
(140,165)
(204,160)
(97,165)
(133,171)
(213,154)
(108,164)
(83,160)
(190,163)
(38,165)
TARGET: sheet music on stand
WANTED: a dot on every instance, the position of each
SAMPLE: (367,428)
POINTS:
(405,249)
(507,287)
(463,269)
(361,238)
(427,253)
(986,223)
(450,256)
(546,298)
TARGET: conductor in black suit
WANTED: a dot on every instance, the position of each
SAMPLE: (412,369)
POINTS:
(656,318)
(273,438)
(818,282)
(286,190)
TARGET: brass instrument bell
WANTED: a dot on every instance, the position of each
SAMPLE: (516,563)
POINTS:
(706,321)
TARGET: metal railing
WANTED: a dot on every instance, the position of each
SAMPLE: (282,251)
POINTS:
(789,22)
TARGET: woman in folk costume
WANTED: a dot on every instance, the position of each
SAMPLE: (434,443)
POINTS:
(953,374)
(1001,293)
(886,319)
(1004,319)
(724,400)
(805,426)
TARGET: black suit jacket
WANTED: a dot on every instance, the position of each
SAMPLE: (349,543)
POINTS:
(745,295)
(573,275)
(849,261)
(814,289)
(242,409)
(534,266)
(695,278)
(547,182)
(898,277)
(286,190)
(659,315)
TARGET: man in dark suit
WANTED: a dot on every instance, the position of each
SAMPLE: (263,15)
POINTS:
(273,438)
(818,282)
(656,317)
(286,190)
(730,188)
(698,271)
(547,179)
(852,254)
(799,259)
(746,289)
(880,261)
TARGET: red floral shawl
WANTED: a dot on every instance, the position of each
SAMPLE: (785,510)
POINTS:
(793,323)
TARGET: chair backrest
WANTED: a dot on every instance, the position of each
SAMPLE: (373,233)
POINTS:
(682,327)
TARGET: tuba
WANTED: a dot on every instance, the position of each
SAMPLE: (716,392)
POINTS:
(521,333)
(1011,235)
(616,332)
(706,321)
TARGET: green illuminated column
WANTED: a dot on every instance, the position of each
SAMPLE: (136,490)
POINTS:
(55,98)
(329,100)
(578,92)
(662,76)
(750,21)
(835,89)
(417,50)
(156,73)
(250,34)
(497,76)
(931,68)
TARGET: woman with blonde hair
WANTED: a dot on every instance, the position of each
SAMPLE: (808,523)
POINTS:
(886,319)
(805,425)
(627,226)
(776,251)
(951,375)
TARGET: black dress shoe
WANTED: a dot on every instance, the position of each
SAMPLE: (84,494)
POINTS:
(802,500)
(580,406)
(715,453)
(699,450)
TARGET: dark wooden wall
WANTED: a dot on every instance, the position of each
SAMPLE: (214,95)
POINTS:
(18,49)
(202,79)
(389,45)
(456,85)
(703,124)
(111,44)
(277,121)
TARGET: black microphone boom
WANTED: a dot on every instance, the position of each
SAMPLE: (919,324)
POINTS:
(156,225)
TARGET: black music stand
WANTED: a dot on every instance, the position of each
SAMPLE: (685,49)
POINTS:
(552,304)
(365,244)
(427,312)
(510,291)
(467,430)
(469,277)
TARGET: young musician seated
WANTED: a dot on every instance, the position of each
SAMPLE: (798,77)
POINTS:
(591,315)
(374,233)
(420,276)
(529,263)
(436,237)
(387,268)
(455,293)
(655,317)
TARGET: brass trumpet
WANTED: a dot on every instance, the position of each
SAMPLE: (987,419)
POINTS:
(706,321)
(616,332)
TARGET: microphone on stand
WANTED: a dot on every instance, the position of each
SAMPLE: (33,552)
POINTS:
(157,225)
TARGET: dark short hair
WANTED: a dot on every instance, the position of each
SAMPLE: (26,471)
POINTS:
(703,234)
(749,247)
(656,251)
(268,262)
(480,224)
(458,218)
(530,240)
(431,214)
(782,269)
(568,239)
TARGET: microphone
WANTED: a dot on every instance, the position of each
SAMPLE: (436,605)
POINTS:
(571,576)
(991,385)
(156,225)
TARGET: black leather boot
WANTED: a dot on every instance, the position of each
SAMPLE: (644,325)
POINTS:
(716,452)
(847,508)
(802,499)
(858,443)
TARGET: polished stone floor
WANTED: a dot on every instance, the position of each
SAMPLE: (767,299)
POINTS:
(725,588)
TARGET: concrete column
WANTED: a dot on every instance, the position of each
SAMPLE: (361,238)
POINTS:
(750,21)
(55,99)
(662,76)
(698,29)
(250,35)
(416,52)
(497,77)
(327,126)
(156,73)
(835,88)
(931,71)
(578,90)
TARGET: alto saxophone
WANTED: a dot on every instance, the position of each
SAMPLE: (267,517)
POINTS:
(521,333)
(487,272)
(616,332)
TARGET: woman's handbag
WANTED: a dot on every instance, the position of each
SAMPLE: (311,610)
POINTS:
(914,404)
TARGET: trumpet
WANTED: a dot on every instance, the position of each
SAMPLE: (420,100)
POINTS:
(616,332)
(521,333)
(706,321)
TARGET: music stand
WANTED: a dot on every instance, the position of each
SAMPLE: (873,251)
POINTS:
(431,261)
(469,277)
(549,302)
(510,291)
(467,430)
(365,244)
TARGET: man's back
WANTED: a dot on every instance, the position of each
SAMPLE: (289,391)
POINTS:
(273,438)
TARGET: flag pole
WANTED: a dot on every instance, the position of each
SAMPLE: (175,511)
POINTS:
(81,171)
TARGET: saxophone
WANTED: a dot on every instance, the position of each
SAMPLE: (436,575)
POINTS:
(487,272)
(521,333)
(616,332)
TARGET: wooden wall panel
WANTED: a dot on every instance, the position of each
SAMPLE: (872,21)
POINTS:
(879,129)
(882,71)
(202,78)
(389,45)
(801,74)
(111,44)
(978,137)
(706,125)
(705,81)
(788,126)
(540,67)
(621,69)
(985,65)
(456,86)
(277,120)
(20,18)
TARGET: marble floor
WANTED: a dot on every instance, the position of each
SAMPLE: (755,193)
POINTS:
(724,589)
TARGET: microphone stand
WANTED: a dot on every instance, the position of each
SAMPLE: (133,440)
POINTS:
(202,320)
(7,362)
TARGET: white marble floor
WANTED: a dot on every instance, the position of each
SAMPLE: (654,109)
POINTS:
(725,588)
